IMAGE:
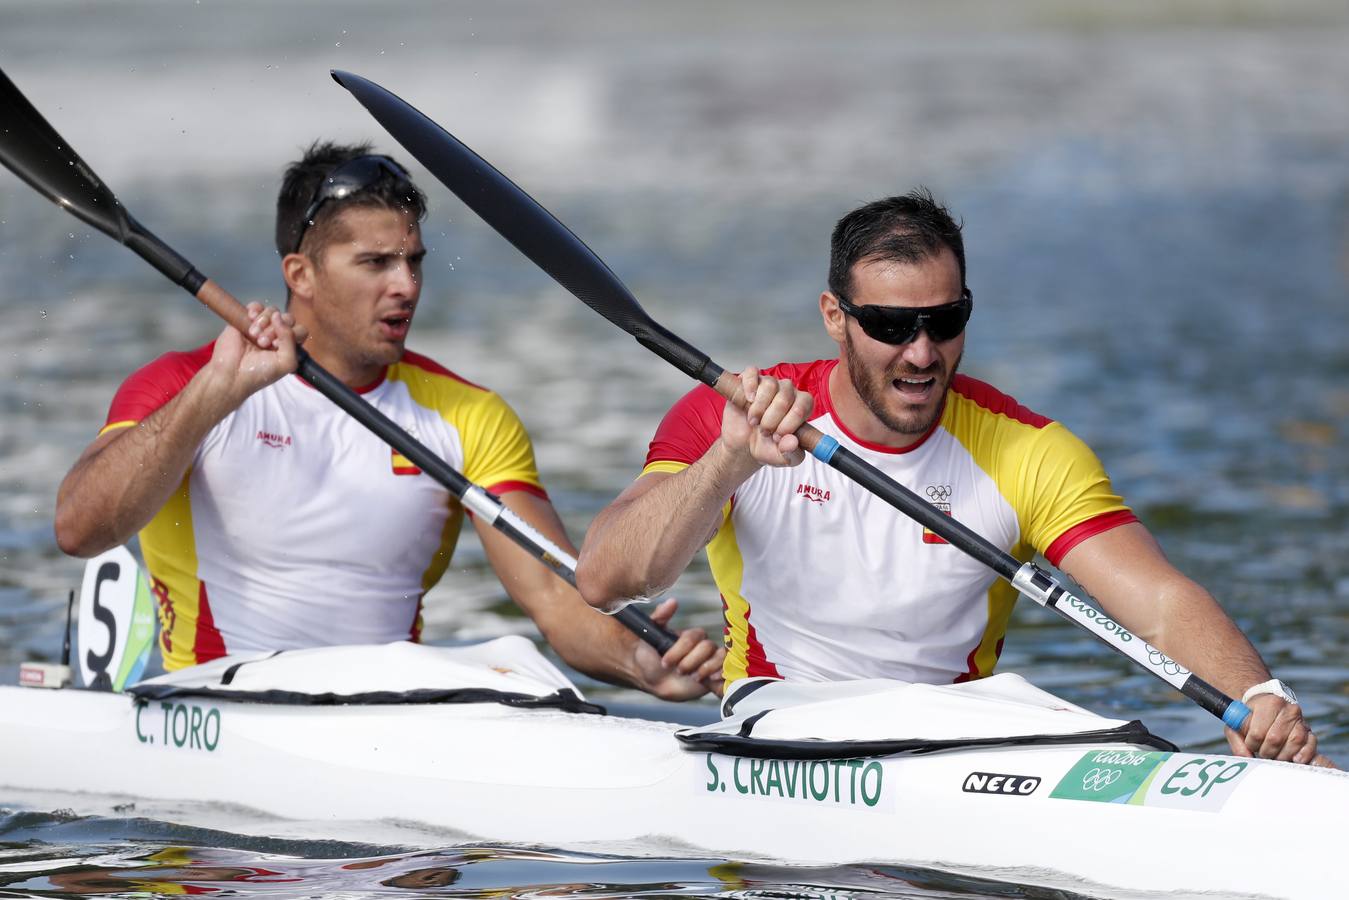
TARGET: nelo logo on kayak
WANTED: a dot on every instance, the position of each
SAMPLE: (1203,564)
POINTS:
(841,782)
(994,783)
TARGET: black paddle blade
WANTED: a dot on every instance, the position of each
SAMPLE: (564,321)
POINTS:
(32,149)
(520,219)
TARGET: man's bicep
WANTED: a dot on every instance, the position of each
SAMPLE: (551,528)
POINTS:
(1125,570)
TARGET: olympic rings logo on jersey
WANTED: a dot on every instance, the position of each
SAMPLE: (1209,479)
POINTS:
(938,492)
(1100,779)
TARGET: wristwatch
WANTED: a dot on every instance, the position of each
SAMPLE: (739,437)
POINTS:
(1273,686)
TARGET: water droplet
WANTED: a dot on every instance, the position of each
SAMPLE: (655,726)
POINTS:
(338,44)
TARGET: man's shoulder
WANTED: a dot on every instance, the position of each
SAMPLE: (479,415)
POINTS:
(435,384)
(808,376)
(419,364)
(983,399)
(176,365)
(155,384)
(466,405)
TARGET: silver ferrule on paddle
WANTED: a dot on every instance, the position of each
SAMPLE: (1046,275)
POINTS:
(490,509)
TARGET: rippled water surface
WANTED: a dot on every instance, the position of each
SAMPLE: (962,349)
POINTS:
(1156,207)
(56,855)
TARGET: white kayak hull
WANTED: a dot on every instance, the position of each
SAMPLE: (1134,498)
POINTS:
(1033,815)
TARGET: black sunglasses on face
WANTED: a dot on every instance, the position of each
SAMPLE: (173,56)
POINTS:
(352,177)
(901,324)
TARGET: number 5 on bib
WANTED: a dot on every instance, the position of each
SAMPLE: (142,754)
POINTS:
(117,621)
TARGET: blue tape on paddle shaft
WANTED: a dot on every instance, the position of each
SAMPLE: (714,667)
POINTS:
(1235,715)
(825,449)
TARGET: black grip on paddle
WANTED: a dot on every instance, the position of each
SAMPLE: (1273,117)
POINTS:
(677,352)
(640,624)
(162,257)
(1206,696)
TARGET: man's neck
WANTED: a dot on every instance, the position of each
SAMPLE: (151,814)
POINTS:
(356,376)
(854,415)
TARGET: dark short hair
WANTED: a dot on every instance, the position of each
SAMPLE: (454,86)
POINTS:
(905,229)
(302,180)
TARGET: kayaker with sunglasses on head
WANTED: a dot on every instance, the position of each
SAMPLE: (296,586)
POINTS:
(822,580)
(269,519)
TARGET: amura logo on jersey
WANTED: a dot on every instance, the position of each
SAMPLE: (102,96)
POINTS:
(939,495)
(818,496)
(273,439)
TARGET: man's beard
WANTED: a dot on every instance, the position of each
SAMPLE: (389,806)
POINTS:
(874,388)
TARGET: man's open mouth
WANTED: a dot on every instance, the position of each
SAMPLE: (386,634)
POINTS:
(914,386)
(396,326)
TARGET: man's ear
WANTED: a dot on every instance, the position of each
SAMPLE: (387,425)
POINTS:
(298,270)
(835,321)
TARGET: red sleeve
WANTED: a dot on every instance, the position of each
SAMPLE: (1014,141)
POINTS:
(694,423)
(690,427)
(153,385)
(1056,551)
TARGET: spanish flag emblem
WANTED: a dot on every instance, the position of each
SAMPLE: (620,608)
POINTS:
(401,464)
(930,536)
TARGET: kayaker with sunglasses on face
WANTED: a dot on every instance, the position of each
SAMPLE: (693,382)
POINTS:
(269,519)
(821,580)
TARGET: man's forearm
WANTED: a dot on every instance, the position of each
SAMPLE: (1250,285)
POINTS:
(1198,633)
(119,484)
(596,645)
(641,544)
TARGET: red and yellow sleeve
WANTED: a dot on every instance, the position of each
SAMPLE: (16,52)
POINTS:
(498,454)
(152,386)
(1066,495)
(688,430)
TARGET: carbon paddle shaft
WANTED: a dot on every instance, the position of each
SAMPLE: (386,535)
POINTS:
(551,246)
(34,151)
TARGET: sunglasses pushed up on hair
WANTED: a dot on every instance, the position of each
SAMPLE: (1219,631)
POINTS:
(901,324)
(352,177)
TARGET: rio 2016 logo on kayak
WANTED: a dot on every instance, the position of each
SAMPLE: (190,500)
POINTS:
(840,782)
(178,725)
(1151,778)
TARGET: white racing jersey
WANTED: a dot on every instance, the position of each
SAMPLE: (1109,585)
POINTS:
(297,527)
(821,580)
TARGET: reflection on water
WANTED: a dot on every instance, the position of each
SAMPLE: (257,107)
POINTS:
(1156,199)
(131,869)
